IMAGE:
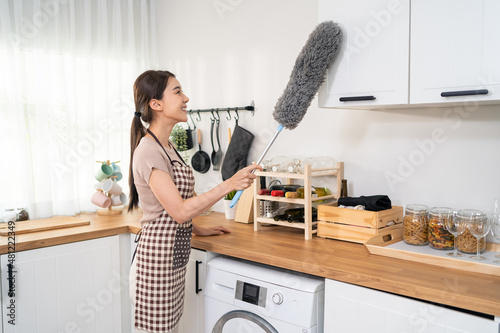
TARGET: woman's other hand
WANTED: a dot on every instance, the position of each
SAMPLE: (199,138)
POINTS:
(209,231)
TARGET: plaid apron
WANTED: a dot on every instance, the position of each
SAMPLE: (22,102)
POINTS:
(162,255)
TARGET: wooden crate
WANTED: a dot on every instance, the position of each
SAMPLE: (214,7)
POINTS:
(357,225)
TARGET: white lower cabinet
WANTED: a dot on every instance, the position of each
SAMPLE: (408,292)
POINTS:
(70,288)
(350,308)
(127,248)
(192,320)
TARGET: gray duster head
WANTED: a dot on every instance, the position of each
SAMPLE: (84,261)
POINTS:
(308,74)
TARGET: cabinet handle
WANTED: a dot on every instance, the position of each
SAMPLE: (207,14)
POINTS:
(357,98)
(464,93)
(11,279)
(197,288)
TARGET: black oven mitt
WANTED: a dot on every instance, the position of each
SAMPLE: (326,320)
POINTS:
(237,152)
(372,203)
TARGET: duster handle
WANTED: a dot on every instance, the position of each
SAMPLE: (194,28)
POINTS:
(238,194)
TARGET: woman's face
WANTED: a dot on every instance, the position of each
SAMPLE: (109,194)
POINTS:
(174,101)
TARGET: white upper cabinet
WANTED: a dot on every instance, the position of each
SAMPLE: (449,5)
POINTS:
(372,66)
(455,51)
(448,54)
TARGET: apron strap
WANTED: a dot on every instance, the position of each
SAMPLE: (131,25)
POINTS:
(136,241)
(171,162)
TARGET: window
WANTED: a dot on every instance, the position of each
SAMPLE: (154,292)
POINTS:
(67,70)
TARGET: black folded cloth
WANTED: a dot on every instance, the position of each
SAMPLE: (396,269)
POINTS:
(237,152)
(372,203)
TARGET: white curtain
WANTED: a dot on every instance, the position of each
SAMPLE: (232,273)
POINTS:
(67,69)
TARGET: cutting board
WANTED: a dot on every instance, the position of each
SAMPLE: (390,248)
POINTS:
(244,211)
(58,222)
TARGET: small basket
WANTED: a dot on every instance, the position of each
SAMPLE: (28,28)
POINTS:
(268,208)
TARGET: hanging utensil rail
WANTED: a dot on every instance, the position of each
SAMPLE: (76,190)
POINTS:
(250,107)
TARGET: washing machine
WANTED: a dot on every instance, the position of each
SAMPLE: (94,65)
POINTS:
(247,297)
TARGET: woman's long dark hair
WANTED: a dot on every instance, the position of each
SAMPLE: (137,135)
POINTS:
(149,85)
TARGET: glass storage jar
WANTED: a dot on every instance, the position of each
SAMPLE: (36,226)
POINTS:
(22,214)
(9,215)
(415,224)
(439,237)
(466,242)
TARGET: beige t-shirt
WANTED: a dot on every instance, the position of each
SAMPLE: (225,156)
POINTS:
(148,156)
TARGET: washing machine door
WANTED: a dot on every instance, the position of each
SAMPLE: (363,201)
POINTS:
(242,321)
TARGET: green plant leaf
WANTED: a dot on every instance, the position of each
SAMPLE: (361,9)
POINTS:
(230,195)
(179,137)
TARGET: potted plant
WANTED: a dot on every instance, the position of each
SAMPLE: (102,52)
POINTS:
(180,139)
(229,212)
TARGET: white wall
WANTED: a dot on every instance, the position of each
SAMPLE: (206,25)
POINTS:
(229,52)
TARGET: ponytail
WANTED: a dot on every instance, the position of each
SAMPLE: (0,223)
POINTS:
(149,85)
(137,131)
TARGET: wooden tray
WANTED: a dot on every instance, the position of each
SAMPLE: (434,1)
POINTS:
(58,222)
(392,245)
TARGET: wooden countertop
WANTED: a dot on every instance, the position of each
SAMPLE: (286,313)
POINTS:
(287,248)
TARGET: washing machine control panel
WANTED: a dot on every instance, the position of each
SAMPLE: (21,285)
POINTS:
(278,298)
(251,293)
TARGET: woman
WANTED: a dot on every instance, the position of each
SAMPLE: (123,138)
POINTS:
(164,184)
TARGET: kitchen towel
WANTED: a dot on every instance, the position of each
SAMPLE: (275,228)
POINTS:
(237,152)
(372,203)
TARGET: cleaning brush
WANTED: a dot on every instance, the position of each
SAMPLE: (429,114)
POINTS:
(308,74)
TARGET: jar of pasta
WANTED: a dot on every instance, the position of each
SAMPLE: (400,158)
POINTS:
(415,224)
(22,214)
(439,237)
(466,242)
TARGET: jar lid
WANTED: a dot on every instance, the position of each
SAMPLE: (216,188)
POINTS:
(471,215)
(417,208)
(441,211)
